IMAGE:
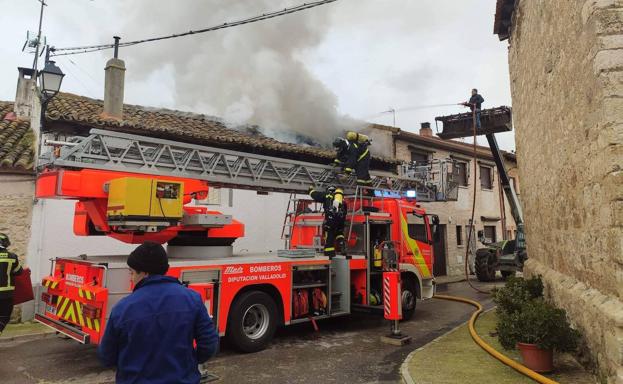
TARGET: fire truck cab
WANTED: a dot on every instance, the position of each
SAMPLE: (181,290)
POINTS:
(372,222)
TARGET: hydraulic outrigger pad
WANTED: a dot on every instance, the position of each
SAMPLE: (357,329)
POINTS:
(392,296)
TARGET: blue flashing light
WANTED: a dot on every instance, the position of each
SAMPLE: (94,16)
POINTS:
(411,194)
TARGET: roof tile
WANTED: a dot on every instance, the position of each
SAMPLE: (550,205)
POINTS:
(17,149)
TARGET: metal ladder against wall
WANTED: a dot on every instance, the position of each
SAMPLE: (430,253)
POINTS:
(110,150)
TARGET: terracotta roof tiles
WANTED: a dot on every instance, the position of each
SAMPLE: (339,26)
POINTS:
(17,149)
(84,113)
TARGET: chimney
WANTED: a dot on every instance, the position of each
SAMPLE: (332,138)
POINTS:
(425,130)
(26,90)
(113,86)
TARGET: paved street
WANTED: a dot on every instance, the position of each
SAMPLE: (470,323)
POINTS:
(345,350)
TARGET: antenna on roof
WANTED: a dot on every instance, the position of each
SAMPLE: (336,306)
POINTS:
(38,39)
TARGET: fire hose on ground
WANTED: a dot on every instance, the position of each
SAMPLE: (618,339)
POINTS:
(488,348)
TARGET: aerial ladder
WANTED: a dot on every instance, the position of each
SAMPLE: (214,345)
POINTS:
(507,256)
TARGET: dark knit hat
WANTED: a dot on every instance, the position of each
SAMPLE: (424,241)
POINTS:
(149,257)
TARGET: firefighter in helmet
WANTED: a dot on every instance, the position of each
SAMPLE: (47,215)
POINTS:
(361,160)
(334,215)
(9,267)
(352,154)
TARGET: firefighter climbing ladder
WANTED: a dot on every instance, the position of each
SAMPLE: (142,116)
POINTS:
(109,150)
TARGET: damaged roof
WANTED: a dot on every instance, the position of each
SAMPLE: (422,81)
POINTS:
(17,142)
(82,113)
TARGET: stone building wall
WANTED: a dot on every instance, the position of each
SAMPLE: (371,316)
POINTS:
(16,201)
(566,67)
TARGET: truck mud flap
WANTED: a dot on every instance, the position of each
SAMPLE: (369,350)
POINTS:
(65,329)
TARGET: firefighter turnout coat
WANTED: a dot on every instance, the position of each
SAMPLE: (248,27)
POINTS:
(9,267)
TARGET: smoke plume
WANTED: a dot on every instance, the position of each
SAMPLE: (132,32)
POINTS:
(252,74)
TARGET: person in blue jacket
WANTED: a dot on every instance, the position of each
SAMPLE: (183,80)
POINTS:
(150,334)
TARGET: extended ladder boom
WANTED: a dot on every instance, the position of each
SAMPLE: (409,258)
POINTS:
(115,151)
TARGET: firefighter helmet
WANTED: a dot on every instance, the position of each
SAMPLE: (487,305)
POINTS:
(352,136)
(331,190)
(340,143)
(4,241)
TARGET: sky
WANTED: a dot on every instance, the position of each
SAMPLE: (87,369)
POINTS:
(309,73)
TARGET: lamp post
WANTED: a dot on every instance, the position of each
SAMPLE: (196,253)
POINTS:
(50,79)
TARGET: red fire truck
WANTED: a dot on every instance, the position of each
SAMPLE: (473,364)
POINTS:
(135,188)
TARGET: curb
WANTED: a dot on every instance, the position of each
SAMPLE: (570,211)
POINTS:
(404,367)
(26,337)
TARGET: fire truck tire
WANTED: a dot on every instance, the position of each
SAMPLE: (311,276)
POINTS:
(252,321)
(485,265)
(409,298)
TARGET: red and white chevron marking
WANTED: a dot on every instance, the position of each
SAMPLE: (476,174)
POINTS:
(386,296)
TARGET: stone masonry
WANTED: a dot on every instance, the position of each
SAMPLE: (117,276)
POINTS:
(16,200)
(566,67)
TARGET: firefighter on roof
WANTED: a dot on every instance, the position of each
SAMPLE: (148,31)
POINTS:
(9,268)
(352,154)
(334,216)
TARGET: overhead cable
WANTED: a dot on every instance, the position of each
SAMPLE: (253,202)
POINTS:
(264,16)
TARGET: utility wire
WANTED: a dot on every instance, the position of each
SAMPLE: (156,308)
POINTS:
(264,16)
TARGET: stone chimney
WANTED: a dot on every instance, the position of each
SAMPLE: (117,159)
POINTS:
(113,87)
(425,130)
(26,92)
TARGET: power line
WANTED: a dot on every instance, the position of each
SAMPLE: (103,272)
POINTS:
(264,16)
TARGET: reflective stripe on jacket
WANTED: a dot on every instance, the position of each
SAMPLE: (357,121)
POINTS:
(9,267)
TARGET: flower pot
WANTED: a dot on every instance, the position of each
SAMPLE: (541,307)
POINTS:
(535,358)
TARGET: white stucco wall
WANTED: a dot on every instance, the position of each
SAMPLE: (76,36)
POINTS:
(52,232)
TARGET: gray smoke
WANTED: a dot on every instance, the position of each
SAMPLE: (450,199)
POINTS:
(251,74)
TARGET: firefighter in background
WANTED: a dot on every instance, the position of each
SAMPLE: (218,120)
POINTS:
(9,268)
(334,216)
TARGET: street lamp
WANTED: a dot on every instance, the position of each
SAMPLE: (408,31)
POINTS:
(50,78)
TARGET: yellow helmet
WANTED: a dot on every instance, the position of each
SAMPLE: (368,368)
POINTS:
(351,136)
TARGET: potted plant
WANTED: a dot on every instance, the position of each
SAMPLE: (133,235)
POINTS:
(538,329)
(516,292)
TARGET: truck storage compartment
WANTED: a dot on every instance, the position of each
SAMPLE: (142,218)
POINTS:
(310,291)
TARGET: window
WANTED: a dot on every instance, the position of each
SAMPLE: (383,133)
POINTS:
(509,234)
(417,228)
(486,179)
(459,235)
(462,172)
(490,233)
(419,157)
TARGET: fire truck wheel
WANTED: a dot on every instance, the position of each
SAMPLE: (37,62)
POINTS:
(485,264)
(252,321)
(409,299)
